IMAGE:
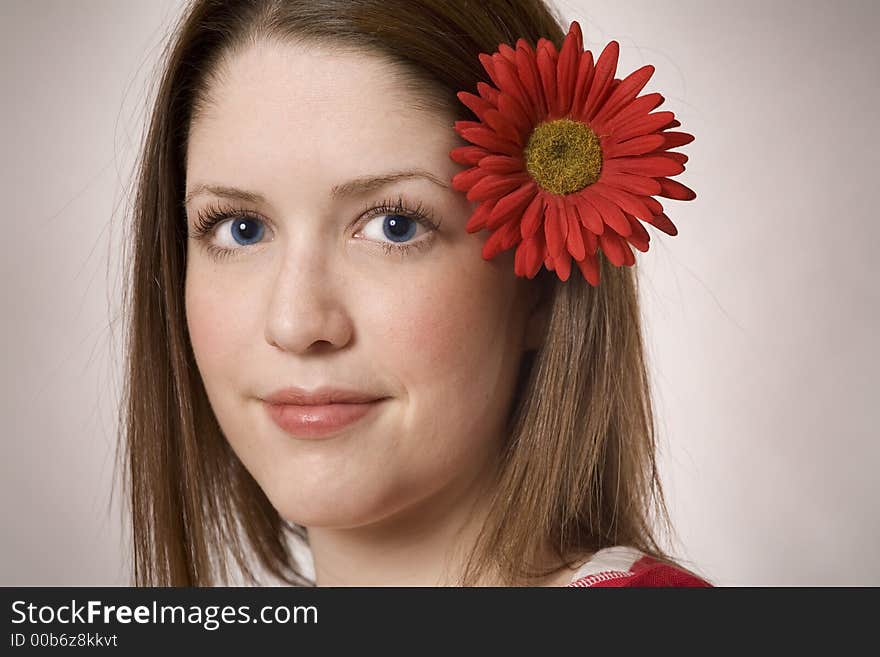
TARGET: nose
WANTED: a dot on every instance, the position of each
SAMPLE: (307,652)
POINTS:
(307,310)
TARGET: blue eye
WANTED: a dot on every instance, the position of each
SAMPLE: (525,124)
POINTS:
(396,231)
(394,225)
(246,231)
(399,228)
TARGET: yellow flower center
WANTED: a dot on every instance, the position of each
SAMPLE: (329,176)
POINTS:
(563,156)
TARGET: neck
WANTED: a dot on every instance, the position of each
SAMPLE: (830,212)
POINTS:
(425,545)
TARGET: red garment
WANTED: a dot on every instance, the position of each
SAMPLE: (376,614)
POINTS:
(625,566)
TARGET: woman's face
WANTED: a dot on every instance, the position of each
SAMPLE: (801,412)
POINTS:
(308,295)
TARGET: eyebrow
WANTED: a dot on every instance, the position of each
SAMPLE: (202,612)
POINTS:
(354,187)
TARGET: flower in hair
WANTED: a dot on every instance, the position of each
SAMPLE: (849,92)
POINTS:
(565,159)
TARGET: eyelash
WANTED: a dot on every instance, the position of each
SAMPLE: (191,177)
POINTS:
(212,215)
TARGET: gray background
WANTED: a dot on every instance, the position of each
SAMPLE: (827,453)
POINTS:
(761,315)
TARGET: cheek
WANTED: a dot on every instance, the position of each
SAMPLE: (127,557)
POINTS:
(456,346)
(454,352)
(218,318)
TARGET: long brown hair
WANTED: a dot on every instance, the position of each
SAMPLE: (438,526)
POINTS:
(578,472)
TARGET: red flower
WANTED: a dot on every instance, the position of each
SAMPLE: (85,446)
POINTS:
(566,159)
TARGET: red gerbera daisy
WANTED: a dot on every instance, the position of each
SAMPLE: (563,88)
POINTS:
(565,158)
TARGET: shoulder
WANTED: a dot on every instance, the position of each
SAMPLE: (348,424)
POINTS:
(621,566)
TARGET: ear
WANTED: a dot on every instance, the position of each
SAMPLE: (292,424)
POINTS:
(539,295)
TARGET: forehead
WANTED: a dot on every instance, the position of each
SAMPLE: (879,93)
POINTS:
(283,110)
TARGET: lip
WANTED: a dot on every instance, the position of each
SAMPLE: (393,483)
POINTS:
(320,396)
(318,413)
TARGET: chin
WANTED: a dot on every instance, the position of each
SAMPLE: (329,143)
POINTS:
(328,506)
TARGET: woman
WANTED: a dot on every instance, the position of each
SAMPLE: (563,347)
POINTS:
(318,353)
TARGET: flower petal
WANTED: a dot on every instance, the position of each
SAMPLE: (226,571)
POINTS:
(606,66)
(637,146)
(510,235)
(611,214)
(507,52)
(566,69)
(532,217)
(681,158)
(489,139)
(537,251)
(476,104)
(492,245)
(576,34)
(574,239)
(589,215)
(631,183)
(589,267)
(553,229)
(639,107)
(675,139)
(488,92)
(612,246)
(591,241)
(468,155)
(652,166)
(640,126)
(461,126)
(488,62)
(512,205)
(626,92)
(540,253)
(629,257)
(662,222)
(625,200)
(493,187)
(464,180)
(502,164)
(639,237)
(559,201)
(563,265)
(582,84)
(478,219)
(515,114)
(523,44)
(527,71)
(503,127)
(675,190)
(547,70)
(519,260)
(500,240)
(653,205)
(511,85)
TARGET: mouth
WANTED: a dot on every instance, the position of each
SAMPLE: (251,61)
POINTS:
(312,421)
